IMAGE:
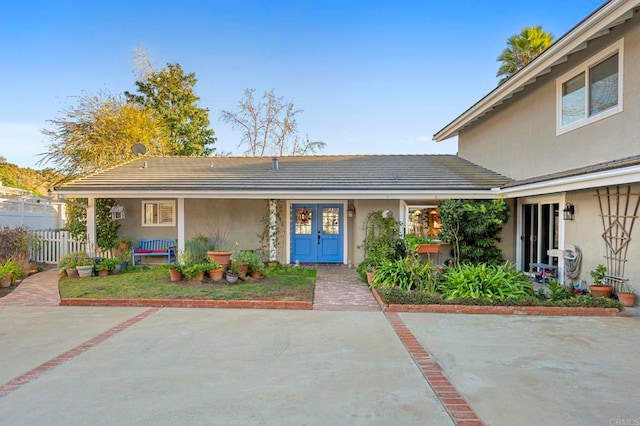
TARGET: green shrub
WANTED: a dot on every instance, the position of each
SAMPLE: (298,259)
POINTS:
(73,259)
(485,281)
(407,274)
(195,250)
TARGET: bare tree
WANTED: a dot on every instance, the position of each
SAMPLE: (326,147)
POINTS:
(269,126)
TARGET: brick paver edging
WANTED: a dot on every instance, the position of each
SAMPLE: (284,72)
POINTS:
(502,310)
(33,374)
(454,403)
(190,303)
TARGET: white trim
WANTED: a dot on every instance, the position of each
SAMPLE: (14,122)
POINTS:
(615,48)
(181,229)
(165,225)
(539,200)
(345,227)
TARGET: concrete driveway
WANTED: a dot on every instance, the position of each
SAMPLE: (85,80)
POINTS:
(262,367)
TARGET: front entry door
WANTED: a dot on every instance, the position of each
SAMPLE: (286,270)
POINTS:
(317,233)
(540,233)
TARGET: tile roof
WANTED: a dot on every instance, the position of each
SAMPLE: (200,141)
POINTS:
(594,168)
(299,173)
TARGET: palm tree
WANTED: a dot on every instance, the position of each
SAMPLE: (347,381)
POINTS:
(521,49)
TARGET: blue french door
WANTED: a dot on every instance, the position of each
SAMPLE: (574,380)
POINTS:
(317,233)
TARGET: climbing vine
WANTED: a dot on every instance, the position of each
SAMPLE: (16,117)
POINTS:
(106,228)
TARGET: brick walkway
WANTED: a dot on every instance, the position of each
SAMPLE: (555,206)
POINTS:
(339,288)
(40,289)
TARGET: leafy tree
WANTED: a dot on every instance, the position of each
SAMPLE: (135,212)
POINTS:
(521,49)
(99,132)
(106,228)
(269,126)
(169,94)
(473,228)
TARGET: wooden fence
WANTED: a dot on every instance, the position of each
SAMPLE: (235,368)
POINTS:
(50,246)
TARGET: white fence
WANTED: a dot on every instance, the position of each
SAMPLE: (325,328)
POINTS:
(32,214)
(50,246)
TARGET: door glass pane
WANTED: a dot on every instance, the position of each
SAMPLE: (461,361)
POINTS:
(303,221)
(603,85)
(331,220)
(573,97)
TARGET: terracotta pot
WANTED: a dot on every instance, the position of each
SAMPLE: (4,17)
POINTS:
(370,275)
(103,272)
(243,269)
(256,274)
(223,258)
(175,275)
(600,290)
(216,274)
(428,248)
(198,278)
(72,272)
(6,282)
(627,299)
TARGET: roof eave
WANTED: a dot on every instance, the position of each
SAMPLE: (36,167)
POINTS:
(591,27)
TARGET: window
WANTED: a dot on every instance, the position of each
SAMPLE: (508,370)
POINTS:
(158,213)
(423,221)
(592,91)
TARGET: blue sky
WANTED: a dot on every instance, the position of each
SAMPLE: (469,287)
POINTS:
(371,76)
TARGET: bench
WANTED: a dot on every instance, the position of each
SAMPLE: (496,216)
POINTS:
(155,247)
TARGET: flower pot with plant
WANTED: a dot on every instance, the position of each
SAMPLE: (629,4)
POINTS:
(195,272)
(599,288)
(232,273)
(175,272)
(107,265)
(5,279)
(216,271)
(626,295)
(85,267)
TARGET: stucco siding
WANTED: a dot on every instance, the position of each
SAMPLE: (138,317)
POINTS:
(518,139)
(585,232)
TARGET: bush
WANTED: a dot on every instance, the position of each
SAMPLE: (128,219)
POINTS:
(195,250)
(485,281)
(14,241)
(407,274)
(73,259)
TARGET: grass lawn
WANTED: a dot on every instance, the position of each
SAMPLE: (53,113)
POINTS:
(296,284)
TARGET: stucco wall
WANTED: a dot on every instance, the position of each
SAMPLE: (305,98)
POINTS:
(518,138)
(585,232)
(131,226)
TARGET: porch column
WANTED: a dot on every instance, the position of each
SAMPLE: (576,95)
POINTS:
(92,235)
(273,230)
(180,225)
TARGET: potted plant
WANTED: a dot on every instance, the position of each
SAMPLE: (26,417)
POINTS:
(175,272)
(371,273)
(243,258)
(216,271)
(599,288)
(5,278)
(626,295)
(421,245)
(195,271)
(122,248)
(256,265)
(85,267)
(232,273)
(69,261)
(107,265)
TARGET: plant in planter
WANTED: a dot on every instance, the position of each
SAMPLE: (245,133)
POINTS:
(107,265)
(420,245)
(122,249)
(175,272)
(599,288)
(216,271)
(232,273)
(5,278)
(69,261)
(195,271)
(85,267)
(244,259)
(256,265)
(626,295)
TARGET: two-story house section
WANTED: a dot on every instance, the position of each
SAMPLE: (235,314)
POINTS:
(566,129)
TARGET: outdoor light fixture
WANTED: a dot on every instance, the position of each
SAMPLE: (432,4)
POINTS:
(117,212)
(351,211)
(568,211)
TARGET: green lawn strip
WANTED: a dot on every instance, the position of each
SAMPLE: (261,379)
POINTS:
(155,284)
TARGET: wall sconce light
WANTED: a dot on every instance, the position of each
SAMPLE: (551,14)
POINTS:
(117,212)
(569,211)
(351,211)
